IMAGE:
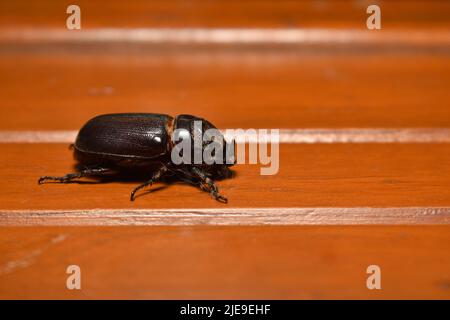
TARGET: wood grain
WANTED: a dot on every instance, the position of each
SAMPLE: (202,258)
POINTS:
(225,262)
(232,90)
(346,175)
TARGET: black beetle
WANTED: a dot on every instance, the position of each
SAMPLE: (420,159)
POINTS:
(125,142)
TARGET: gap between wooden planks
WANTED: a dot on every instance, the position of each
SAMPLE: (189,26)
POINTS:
(195,37)
(226,216)
(366,135)
(381,135)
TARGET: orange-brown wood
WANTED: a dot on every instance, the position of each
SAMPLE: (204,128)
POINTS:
(235,13)
(346,175)
(397,77)
(225,262)
(231,89)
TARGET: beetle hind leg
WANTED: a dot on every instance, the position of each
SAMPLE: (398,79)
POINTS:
(71,176)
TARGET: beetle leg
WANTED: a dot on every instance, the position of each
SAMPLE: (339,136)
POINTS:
(70,176)
(213,191)
(208,185)
(156,176)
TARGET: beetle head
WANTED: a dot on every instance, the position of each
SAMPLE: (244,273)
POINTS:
(208,142)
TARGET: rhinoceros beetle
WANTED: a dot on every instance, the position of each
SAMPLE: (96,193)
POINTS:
(125,142)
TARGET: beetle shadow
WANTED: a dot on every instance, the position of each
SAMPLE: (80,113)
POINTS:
(225,173)
(140,175)
(135,177)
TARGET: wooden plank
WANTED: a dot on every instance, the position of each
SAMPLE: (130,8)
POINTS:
(317,175)
(414,26)
(225,262)
(231,89)
(235,13)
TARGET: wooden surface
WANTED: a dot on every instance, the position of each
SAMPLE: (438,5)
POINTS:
(226,262)
(306,65)
(332,175)
(293,90)
(234,13)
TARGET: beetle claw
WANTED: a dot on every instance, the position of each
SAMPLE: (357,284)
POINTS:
(60,179)
(210,187)
(220,198)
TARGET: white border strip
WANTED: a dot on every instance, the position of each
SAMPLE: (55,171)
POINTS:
(224,216)
(217,36)
(406,135)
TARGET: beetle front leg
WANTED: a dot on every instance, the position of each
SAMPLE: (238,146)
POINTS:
(70,176)
(156,176)
(208,185)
